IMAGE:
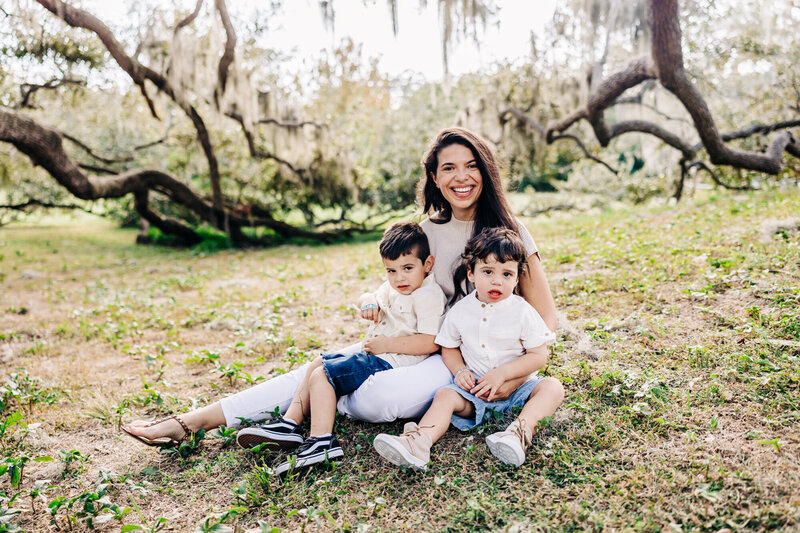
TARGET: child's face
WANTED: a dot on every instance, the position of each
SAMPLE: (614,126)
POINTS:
(407,272)
(494,281)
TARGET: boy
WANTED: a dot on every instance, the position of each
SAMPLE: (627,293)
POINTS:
(490,336)
(406,312)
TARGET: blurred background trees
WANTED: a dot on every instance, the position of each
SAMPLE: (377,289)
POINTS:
(183,118)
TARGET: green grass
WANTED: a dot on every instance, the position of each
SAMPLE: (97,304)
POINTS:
(679,356)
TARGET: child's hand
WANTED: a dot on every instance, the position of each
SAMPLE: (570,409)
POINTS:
(465,380)
(370,313)
(486,388)
(377,345)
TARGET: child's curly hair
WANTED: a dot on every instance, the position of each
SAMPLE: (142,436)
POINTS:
(502,243)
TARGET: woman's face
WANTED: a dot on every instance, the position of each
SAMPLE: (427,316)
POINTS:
(459,180)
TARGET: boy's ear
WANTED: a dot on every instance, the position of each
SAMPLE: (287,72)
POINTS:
(470,275)
(428,264)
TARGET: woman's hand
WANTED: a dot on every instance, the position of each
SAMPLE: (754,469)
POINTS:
(465,380)
(488,384)
(377,345)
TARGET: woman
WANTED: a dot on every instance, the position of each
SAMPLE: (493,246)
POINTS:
(462,193)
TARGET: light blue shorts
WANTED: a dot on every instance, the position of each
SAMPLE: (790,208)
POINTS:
(483,409)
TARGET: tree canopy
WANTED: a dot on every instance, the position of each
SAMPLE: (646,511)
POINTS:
(183,120)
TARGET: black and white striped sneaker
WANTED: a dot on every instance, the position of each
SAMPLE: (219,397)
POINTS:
(314,450)
(279,434)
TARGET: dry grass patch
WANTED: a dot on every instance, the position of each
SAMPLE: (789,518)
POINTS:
(679,352)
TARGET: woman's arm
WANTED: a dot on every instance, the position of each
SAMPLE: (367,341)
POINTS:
(534,288)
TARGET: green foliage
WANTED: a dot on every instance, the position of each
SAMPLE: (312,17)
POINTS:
(70,458)
(186,448)
(23,390)
(215,523)
(226,434)
(14,467)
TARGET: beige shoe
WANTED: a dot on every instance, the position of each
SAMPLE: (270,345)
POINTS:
(412,448)
(509,445)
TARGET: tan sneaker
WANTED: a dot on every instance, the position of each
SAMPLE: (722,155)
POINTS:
(509,445)
(412,448)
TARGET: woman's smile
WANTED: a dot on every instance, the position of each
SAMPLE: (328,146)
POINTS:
(462,192)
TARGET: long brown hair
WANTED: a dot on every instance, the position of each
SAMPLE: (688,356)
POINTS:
(492,210)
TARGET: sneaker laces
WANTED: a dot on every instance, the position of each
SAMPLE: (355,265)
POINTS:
(416,432)
(519,431)
(309,442)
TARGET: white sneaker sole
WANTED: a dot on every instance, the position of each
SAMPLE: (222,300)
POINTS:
(394,452)
(333,455)
(250,437)
(507,453)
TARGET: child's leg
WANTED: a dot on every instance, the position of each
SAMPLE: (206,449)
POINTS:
(321,445)
(446,403)
(322,399)
(413,447)
(543,402)
(509,445)
(300,406)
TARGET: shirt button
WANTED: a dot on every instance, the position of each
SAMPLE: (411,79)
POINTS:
(483,346)
(483,305)
(383,323)
(484,320)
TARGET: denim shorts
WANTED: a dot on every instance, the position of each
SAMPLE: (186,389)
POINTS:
(346,372)
(483,408)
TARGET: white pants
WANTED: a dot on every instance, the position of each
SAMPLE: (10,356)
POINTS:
(404,392)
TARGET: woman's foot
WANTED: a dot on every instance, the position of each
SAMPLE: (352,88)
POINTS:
(172,429)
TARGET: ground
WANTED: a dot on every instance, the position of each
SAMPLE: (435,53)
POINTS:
(678,348)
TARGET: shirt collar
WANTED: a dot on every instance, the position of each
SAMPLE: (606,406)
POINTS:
(502,304)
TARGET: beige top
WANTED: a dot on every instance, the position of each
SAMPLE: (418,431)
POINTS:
(422,311)
(447,242)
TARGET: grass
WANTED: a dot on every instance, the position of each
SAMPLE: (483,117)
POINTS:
(679,351)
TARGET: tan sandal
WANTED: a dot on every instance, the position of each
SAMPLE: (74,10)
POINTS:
(161,441)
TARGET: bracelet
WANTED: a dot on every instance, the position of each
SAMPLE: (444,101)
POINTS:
(460,371)
(369,306)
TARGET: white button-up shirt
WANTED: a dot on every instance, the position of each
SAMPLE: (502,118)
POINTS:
(408,314)
(492,334)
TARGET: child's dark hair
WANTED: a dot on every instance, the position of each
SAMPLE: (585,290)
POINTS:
(404,238)
(502,243)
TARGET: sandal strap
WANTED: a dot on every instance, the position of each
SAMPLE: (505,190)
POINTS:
(186,429)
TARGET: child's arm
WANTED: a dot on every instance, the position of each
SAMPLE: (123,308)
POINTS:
(533,360)
(417,344)
(368,303)
(454,361)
